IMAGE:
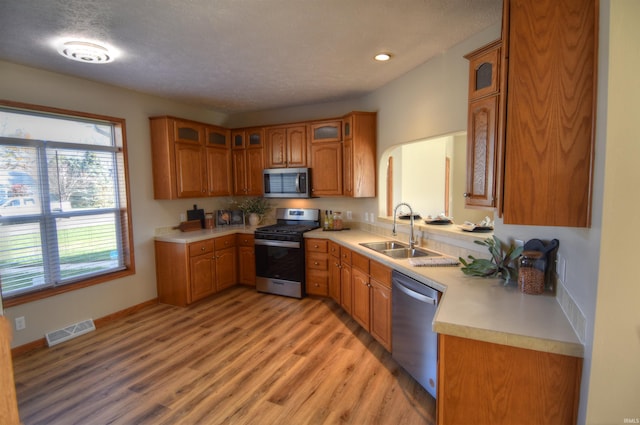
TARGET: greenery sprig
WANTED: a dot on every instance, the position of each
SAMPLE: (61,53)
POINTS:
(499,265)
(257,205)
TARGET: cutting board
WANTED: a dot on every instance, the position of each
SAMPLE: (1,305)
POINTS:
(188,226)
(196,214)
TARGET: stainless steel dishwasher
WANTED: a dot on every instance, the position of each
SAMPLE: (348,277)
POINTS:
(415,345)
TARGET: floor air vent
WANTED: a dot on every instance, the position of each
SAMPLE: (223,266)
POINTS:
(65,334)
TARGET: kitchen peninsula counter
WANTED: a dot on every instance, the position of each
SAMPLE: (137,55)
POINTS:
(478,308)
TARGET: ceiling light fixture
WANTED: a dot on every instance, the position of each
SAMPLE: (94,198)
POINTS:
(382,57)
(86,51)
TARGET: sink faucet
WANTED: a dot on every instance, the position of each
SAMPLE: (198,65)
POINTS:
(412,240)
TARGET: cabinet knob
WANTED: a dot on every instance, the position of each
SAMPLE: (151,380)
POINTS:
(466,194)
(315,263)
(202,248)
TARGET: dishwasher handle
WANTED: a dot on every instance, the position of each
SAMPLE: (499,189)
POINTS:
(415,295)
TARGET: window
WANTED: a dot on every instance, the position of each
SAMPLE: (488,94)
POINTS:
(64,212)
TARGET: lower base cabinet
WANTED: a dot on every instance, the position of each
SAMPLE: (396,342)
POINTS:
(485,383)
(186,273)
(317,267)
(246,260)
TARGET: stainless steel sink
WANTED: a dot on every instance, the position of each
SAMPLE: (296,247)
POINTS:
(399,250)
(385,245)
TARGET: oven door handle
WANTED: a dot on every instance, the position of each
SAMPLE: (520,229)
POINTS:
(283,244)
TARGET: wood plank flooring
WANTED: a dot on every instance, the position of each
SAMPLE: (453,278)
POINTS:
(238,358)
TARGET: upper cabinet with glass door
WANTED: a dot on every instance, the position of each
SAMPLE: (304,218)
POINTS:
(483,126)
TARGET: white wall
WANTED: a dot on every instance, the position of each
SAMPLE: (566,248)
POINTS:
(28,85)
(614,385)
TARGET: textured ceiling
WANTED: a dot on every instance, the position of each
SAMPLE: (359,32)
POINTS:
(243,55)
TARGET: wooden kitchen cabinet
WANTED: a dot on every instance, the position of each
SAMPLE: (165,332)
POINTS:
(317,266)
(359,155)
(380,299)
(286,146)
(189,159)
(346,292)
(482,126)
(482,129)
(360,290)
(326,163)
(248,161)
(218,153)
(334,271)
(186,273)
(550,52)
(326,131)
(225,259)
(502,385)
(246,259)
(202,270)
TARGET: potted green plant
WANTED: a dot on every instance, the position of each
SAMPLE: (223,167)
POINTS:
(255,209)
(499,265)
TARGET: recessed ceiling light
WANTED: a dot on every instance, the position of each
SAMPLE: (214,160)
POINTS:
(86,51)
(382,57)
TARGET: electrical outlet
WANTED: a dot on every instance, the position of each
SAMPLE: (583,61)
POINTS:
(518,243)
(349,215)
(20,323)
(183,217)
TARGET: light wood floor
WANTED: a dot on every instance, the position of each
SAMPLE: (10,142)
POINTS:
(238,358)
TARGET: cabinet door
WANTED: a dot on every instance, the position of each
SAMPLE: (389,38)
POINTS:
(326,131)
(190,171)
(381,313)
(254,168)
(481,153)
(551,89)
(225,268)
(219,171)
(335,274)
(202,272)
(326,161)
(297,146)
(361,303)
(345,288)
(247,262)
(484,71)
(347,167)
(276,147)
(246,259)
(187,132)
(238,139)
(239,172)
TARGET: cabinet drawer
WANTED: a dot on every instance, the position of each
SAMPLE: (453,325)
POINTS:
(202,247)
(245,240)
(345,255)
(317,283)
(360,262)
(380,273)
(225,242)
(317,262)
(334,249)
(317,245)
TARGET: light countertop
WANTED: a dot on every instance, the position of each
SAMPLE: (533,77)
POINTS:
(471,307)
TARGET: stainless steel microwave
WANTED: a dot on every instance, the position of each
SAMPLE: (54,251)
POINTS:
(287,182)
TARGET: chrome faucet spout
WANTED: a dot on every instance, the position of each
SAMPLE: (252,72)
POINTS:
(412,239)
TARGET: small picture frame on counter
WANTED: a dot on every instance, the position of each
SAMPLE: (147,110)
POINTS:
(229,218)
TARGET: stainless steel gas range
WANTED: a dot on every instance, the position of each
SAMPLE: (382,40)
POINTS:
(280,252)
